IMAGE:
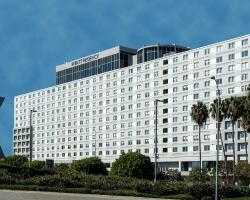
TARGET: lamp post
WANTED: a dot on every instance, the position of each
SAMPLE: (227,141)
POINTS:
(156,137)
(218,132)
(31,135)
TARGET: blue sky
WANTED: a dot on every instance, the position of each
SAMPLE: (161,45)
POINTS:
(35,36)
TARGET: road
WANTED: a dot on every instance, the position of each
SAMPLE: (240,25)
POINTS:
(31,195)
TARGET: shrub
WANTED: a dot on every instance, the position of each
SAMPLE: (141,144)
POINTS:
(194,175)
(68,181)
(92,165)
(243,173)
(171,175)
(229,191)
(133,164)
(200,190)
(61,168)
(15,160)
(37,164)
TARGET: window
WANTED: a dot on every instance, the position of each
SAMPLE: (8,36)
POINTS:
(195,148)
(219,70)
(175,119)
(184,149)
(219,49)
(165,62)
(244,65)
(185,57)
(184,108)
(219,59)
(185,87)
(244,53)
(244,42)
(175,89)
(174,129)
(196,54)
(207,62)
(165,81)
(244,88)
(231,45)
(219,81)
(184,118)
(165,130)
(175,149)
(196,96)
(184,138)
(165,140)
(175,59)
(231,56)
(207,94)
(231,79)
(195,138)
(196,74)
(165,150)
(231,90)
(207,83)
(206,147)
(184,67)
(175,139)
(185,77)
(206,137)
(207,72)
(165,91)
(207,51)
(184,128)
(196,64)
(175,69)
(175,79)
(243,77)
(165,71)
(231,68)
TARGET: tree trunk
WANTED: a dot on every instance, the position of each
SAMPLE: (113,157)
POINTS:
(233,123)
(246,146)
(225,158)
(200,150)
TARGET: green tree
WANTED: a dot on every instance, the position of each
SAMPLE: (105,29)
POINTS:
(199,114)
(234,112)
(243,173)
(245,123)
(16,160)
(213,111)
(133,164)
(92,165)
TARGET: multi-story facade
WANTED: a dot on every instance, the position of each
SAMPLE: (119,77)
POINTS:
(104,104)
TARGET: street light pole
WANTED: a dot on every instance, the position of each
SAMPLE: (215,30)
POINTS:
(218,133)
(31,136)
(156,136)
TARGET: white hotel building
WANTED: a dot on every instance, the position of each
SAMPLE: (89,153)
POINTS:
(104,104)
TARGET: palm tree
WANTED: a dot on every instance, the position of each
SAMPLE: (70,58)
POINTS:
(245,123)
(234,113)
(213,111)
(199,114)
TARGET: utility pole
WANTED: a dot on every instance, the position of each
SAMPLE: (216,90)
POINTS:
(156,136)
